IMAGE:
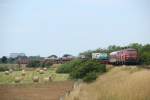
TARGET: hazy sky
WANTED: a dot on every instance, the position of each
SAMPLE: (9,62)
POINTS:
(45,27)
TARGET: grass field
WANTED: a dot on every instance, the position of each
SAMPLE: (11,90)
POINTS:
(27,79)
(9,65)
(119,83)
(28,90)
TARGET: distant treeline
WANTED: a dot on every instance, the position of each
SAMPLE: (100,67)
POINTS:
(144,51)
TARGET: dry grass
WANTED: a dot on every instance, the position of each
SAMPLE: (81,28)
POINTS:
(120,83)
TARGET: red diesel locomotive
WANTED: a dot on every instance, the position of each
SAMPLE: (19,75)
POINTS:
(126,56)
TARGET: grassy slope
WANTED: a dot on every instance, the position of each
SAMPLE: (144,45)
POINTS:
(9,79)
(120,83)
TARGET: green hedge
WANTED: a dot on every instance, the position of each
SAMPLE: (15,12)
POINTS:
(69,66)
(3,68)
(35,64)
(88,70)
(82,70)
(90,77)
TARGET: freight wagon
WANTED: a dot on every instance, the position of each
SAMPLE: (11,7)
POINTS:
(126,56)
(102,57)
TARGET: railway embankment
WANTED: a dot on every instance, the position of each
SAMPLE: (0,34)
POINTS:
(119,83)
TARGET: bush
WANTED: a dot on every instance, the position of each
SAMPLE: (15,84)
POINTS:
(3,68)
(90,77)
(46,64)
(86,69)
(145,58)
(34,64)
(68,67)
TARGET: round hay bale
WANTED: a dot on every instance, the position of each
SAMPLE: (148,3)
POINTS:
(17,79)
(45,69)
(41,72)
(35,79)
(6,72)
(38,69)
(23,73)
(10,70)
(47,79)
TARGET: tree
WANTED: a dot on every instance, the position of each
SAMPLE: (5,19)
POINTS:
(12,60)
(4,59)
(145,58)
(112,48)
(136,46)
(87,54)
(146,48)
(145,54)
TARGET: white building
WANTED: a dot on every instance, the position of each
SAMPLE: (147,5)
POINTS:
(15,55)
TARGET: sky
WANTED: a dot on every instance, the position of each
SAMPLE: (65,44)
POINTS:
(46,27)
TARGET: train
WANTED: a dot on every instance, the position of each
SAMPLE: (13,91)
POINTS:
(125,56)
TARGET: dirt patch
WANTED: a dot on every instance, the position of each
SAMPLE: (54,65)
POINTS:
(50,91)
